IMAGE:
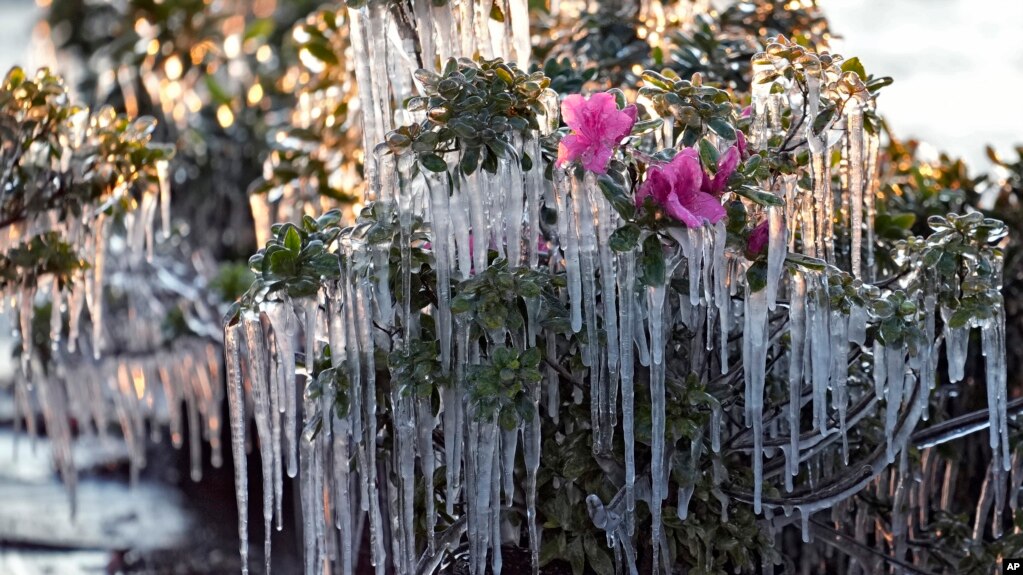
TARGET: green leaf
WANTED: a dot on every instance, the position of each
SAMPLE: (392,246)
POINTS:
(722,127)
(470,160)
(617,195)
(496,13)
(597,556)
(321,51)
(823,119)
(433,162)
(854,65)
(652,261)
(759,196)
(575,556)
(552,547)
(292,240)
(708,156)
(806,262)
(960,317)
(876,84)
(261,28)
(624,238)
(218,93)
(646,126)
(756,276)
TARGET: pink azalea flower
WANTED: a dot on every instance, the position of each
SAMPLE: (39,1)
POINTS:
(747,112)
(740,142)
(676,187)
(597,127)
(726,166)
(758,238)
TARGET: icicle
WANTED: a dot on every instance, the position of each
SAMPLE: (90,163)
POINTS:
(404,460)
(95,303)
(163,175)
(283,321)
(582,223)
(761,94)
(895,359)
(854,114)
(26,309)
(56,315)
(369,405)
(236,405)
(604,214)
(756,337)
(721,296)
(570,244)
(426,423)
(797,323)
(776,251)
(820,352)
(496,559)
(343,503)
(531,454)
(75,303)
(441,242)
(993,347)
(261,408)
(658,367)
(840,374)
(873,183)
(484,438)
(627,293)
(880,369)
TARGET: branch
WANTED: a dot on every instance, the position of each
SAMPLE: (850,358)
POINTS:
(960,426)
(855,478)
(565,373)
(851,542)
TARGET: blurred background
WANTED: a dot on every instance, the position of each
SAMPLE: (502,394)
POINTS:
(958,70)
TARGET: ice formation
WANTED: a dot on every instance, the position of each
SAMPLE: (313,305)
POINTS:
(352,483)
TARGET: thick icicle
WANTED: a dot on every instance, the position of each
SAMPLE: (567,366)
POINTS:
(236,405)
(756,337)
(776,251)
(627,291)
(256,352)
(854,115)
(797,322)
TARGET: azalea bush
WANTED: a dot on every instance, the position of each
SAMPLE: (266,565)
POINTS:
(640,328)
(652,289)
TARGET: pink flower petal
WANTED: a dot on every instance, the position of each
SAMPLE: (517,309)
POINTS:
(676,188)
(685,173)
(657,185)
(596,159)
(707,207)
(597,127)
(676,210)
(572,110)
(758,239)
(726,167)
(571,148)
(619,124)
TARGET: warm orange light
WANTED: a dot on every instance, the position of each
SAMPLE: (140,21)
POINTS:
(225,117)
(255,94)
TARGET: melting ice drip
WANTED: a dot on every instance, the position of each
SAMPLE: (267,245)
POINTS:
(348,480)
